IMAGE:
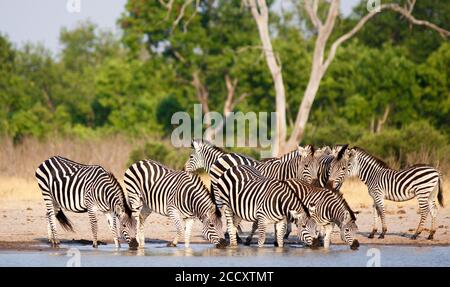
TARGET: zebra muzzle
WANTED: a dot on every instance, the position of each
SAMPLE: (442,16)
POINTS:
(133,245)
(355,245)
(222,243)
(315,243)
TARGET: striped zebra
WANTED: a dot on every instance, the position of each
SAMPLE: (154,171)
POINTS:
(247,195)
(76,187)
(294,164)
(327,208)
(338,166)
(180,195)
(420,181)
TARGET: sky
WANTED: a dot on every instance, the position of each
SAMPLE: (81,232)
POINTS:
(41,20)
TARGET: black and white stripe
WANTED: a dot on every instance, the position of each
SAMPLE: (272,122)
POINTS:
(76,187)
(180,195)
(420,181)
(246,195)
(327,208)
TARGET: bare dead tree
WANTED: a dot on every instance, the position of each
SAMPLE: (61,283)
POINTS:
(260,13)
(320,63)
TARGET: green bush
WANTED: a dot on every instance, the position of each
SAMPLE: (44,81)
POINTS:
(414,143)
(163,153)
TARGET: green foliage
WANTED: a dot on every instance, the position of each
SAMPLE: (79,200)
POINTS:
(100,85)
(161,152)
(401,144)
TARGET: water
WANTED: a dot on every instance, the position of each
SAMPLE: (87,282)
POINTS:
(206,255)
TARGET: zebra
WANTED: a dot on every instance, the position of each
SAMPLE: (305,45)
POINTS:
(294,164)
(327,208)
(247,195)
(180,195)
(76,187)
(383,182)
(338,166)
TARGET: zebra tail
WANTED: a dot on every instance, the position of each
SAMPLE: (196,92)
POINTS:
(440,193)
(64,221)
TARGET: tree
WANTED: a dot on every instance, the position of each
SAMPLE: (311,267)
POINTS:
(320,62)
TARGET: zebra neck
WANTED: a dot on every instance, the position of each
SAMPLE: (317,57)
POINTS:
(210,157)
(369,168)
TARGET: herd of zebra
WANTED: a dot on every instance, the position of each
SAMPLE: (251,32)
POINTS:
(301,187)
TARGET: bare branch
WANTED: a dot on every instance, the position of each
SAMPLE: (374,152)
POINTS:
(311,9)
(201,91)
(231,87)
(197,4)
(181,14)
(168,6)
(404,11)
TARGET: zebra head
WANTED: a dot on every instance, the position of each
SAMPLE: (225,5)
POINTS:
(339,166)
(308,166)
(128,227)
(354,162)
(306,227)
(212,229)
(196,159)
(311,169)
(348,229)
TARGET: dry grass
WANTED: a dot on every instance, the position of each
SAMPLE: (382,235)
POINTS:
(21,161)
(15,188)
(355,191)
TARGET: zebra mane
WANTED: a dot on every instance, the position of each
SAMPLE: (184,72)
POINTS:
(347,206)
(376,159)
(114,180)
(341,152)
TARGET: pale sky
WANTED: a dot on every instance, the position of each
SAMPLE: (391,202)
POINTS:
(41,20)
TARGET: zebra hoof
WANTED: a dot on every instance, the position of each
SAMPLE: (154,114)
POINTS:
(371,235)
(171,244)
(381,236)
(95,245)
(275,243)
(248,241)
(239,240)
(414,237)
(430,237)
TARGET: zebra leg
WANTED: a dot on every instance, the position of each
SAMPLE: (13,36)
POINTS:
(187,233)
(177,220)
(382,215)
(230,227)
(111,218)
(280,228)
(143,214)
(288,230)
(51,225)
(375,220)
(93,222)
(423,207)
(433,211)
(249,238)
(262,233)
(237,224)
(327,237)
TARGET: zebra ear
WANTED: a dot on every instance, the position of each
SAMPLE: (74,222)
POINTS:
(349,154)
(196,144)
(312,207)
